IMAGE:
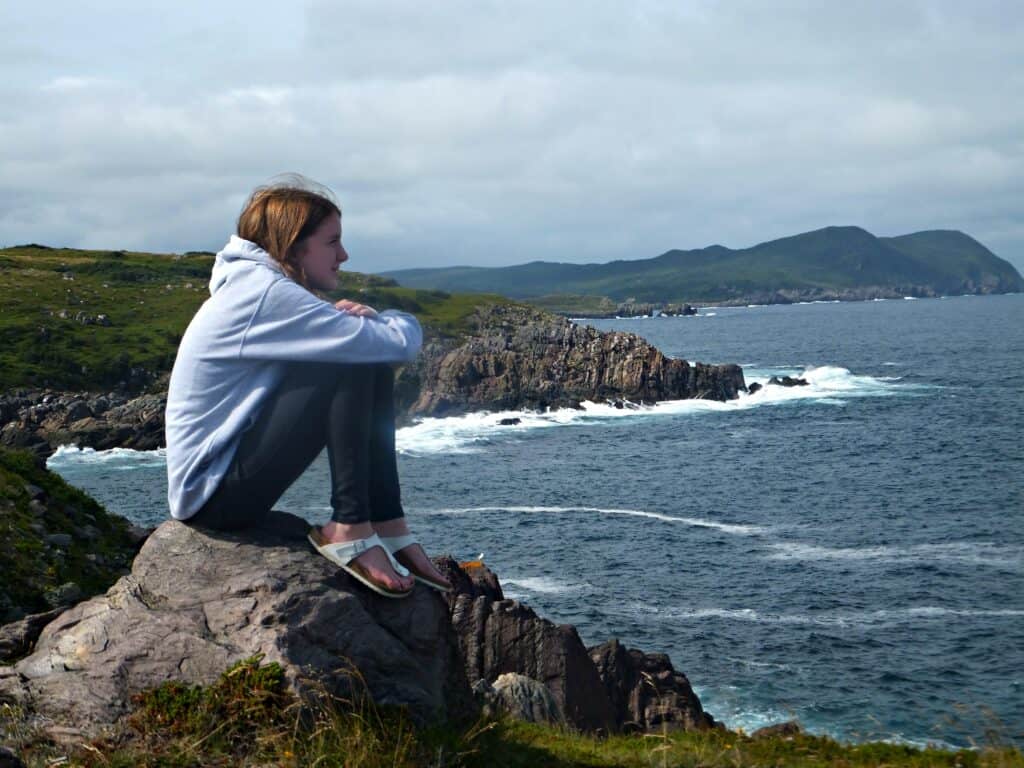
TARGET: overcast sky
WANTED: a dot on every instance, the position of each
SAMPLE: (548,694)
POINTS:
(486,132)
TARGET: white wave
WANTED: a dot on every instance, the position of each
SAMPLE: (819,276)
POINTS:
(826,618)
(708,314)
(910,298)
(733,528)
(967,553)
(115,458)
(537,585)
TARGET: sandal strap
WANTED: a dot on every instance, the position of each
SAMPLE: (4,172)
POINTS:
(395,543)
(347,551)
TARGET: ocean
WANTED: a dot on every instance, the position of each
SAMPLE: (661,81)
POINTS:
(849,553)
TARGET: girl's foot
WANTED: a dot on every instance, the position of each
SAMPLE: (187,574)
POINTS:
(413,556)
(375,562)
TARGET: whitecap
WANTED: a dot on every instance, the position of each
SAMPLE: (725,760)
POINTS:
(537,585)
(832,618)
(67,456)
(965,553)
(731,528)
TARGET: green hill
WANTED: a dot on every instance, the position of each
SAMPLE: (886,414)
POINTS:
(99,320)
(839,262)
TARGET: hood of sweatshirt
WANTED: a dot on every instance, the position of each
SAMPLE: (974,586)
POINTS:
(238,255)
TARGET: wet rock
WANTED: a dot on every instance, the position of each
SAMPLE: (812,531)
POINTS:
(755,387)
(509,422)
(787,381)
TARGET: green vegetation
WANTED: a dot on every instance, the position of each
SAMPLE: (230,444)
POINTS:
(36,503)
(575,306)
(248,718)
(95,320)
(834,259)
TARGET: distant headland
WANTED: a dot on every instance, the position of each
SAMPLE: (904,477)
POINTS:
(834,263)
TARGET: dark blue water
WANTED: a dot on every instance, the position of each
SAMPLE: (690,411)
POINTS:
(850,554)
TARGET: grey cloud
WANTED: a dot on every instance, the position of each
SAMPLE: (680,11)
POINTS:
(486,132)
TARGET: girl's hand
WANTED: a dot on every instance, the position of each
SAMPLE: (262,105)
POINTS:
(352,308)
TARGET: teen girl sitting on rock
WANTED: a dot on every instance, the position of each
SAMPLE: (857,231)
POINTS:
(268,373)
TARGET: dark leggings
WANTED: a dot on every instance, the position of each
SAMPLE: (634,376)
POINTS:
(348,408)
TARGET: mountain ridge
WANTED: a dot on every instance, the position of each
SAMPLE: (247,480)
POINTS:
(835,261)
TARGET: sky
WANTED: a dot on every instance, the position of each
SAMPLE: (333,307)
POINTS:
(495,132)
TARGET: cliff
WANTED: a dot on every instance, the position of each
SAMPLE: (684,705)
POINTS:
(508,357)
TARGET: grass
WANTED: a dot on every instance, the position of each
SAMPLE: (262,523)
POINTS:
(247,717)
(32,568)
(51,300)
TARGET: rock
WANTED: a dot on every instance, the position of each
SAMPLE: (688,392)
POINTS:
(8,759)
(509,422)
(60,539)
(518,357)
(787,381)
(513,357)
(195,602)
(499,636)
(755,387)
(646,692)
(786,731)
(525,699)
(18,637)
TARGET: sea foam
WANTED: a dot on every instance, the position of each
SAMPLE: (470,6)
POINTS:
(731,528)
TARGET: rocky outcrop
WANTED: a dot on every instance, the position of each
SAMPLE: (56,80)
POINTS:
(195,602)
(40,420)
(514,357)
(518,357)
(646,692)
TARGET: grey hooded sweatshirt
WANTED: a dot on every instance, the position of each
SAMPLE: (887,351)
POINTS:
(234,355)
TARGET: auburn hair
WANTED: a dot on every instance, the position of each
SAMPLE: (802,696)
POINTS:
(279,216)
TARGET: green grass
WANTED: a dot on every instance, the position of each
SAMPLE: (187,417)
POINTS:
(248,718)
(148,300)
(31,567)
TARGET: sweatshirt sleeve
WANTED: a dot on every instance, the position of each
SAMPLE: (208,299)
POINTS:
(290,323)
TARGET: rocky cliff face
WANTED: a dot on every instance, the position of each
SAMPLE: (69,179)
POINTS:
(514,357)
(196,601)
(519,357)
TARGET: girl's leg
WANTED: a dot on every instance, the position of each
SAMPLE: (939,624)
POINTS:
(290,432)
(386,512)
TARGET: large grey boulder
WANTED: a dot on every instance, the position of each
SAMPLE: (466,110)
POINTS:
(197,601)
(526,699)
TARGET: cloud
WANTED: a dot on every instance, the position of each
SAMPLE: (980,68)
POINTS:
(488,132)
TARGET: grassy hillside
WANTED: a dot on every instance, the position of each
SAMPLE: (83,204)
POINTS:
(830,259)
(97,320)
(57,545)
(248,718)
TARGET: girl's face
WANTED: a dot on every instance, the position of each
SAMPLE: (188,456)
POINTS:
(321,254)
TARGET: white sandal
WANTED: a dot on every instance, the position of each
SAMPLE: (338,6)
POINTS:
(395,544)
(344,553)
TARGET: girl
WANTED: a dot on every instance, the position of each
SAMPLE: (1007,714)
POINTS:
(268,373)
